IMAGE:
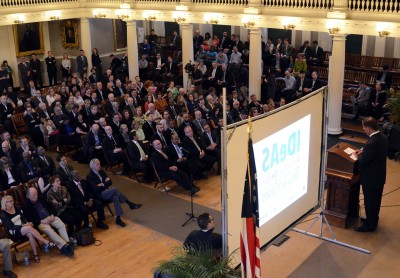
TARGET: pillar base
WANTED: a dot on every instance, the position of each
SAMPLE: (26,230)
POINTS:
(335,131)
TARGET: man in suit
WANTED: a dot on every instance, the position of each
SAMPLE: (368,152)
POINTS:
(176,40)
(51,68)
(378,100)
(32,121)
(211,140)
(119,90)
(225,42)
(93,78)
(28,169)
(12,155)
(372,162)
(360,100)
(385,77)
(314,84)
(138,157)
(186,122)
(39,98)
(199,122)
(45,163)
(6,112)
(317,55)
(100,184)
(112,147)
(171,70)
(6,136)
(25,72)
(159,135)
(115,65)
(301,84)
(166,168)
(82,62)
(196,150)
(83,201)
(36,71)
(43,219)
(64,170)
(24,146)
(149,127)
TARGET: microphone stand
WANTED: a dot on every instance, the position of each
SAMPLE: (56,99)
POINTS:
(191,213)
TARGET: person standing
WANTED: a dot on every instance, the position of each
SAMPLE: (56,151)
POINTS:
(24,69)
(51,68)
(82,62)
(96,62)
(5,249)
(36,70)
(372,162)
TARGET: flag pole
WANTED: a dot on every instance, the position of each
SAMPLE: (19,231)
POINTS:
(224,189)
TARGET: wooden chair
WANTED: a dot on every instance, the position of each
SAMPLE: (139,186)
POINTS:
(376,62)
(349,76)
(18,193)
(161,181)
(19,123)
(396,65)
(112,167)
(370,78)
(133,174)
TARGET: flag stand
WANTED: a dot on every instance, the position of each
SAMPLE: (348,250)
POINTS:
(321,217)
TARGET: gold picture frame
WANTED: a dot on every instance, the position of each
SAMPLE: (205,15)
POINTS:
(120,35)
(28,38)
(69,34)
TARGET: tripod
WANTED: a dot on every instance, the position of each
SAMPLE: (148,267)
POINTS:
(191,213)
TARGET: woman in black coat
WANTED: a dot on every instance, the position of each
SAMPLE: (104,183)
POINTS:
(8,175)
(96,62)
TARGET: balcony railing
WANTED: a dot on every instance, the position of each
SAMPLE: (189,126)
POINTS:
(299,4)
(23,3)
(390,6)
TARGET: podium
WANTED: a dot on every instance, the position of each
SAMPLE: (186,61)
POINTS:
(343,186)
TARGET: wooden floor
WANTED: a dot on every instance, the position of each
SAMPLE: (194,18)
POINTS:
(134,250)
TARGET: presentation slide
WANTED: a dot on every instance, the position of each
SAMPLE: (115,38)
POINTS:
(282,168)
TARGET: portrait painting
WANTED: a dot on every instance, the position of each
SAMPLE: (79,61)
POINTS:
(69,34)
(120,37)
(28,39)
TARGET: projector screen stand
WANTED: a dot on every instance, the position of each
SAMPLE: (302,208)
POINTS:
(321,217)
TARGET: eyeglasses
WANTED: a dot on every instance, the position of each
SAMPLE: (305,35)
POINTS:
(211,220)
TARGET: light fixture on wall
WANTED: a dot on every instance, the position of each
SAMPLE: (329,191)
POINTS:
(180,19)
(248,22)
(334,30)
(151,18)
(211,19)
(18,21)
(123,14)
(289,27)
(99,15)
(123,17)
(383,33)
(54,17)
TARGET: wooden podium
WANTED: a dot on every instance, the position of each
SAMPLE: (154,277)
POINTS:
(343,183)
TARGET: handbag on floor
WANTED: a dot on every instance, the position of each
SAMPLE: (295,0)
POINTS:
(85,237)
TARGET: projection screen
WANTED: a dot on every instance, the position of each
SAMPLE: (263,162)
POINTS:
(288,147)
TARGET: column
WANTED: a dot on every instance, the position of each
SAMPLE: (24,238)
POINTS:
(379,46)
(132,46)
(335,84)
(255,70)
(86,41)
(364,45)
(187,49)
(396,53)
(46,42)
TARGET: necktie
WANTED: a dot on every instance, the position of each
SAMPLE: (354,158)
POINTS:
(209,137)
(142,154)
(194,142)
(178,151)
(66,171)
(164,155)
(163,139)
(45,160)
(213,73)
(115,142)
(80,188)
(202,130)
(173,110)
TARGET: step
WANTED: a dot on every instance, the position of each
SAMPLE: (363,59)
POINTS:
(352,138)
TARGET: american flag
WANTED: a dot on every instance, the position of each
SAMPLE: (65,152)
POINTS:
(250,234)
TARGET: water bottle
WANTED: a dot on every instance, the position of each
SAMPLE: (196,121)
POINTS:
(26,260)
(75,242)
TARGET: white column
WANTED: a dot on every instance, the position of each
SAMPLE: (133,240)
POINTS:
(325,41)
(159,28)
(243,34)
(132,46)
(187,49)
(335,84)
(255,70)
(293,41)
(364,45)
(86,41)
(396,53)
(306,36)
(46,42)
(379,47)
(7,46)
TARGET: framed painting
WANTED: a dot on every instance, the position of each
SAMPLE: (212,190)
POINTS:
(69,34)
(28,39)
(120,37)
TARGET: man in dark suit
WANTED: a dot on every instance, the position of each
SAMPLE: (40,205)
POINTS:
(93,141)
(186,122)
(171,70)
(119,90)
(24,146)
(301,84)
(378,99)
(25,72)
(93,78)
(385,77)
(210,139)
(317,55)
(28,169)
(64,170)
(33,124)
(12,155)
(139,158)
(159,135)
(100,184)
(115,65)
(36,71)
(196,149)
(6,112)
(314,84)
(82,199)
(205,238)
(225,42)
(6,136)
(112,147)
(166,168)
(176,40)
(372,162)
(149,127)
(51,68)
(82,62)
(46,163)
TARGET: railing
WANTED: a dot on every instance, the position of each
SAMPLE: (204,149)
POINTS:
(22,3)
(157,1)
(390,6)
(300,4)
(222,2)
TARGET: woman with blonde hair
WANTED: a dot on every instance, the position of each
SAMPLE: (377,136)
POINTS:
(18,227)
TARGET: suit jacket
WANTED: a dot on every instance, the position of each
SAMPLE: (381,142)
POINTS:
(177,41)
(225,43)
(287,51)
(51,64)
(171,68)
(32,121)
(90,139)
(119,91)
(82,63)
(134,153)
(93,79)
(5,111)
(4,178)
(13,145)
(388,79)
(214,136)
(31,213)
(188,144)
(149,130)
(109,145)
(24,172)
(306,84)
(65,177)
(372,161)
(36,101)
(173,111)
(317,84)
(156,136)
(199,126)
(93,180)
(77,198)
(24,69)
(43,115)
(161,163)
(382,97)
(13,156)
(318,53)
(181,129)
(32,149)
(36,65)
(49,169)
